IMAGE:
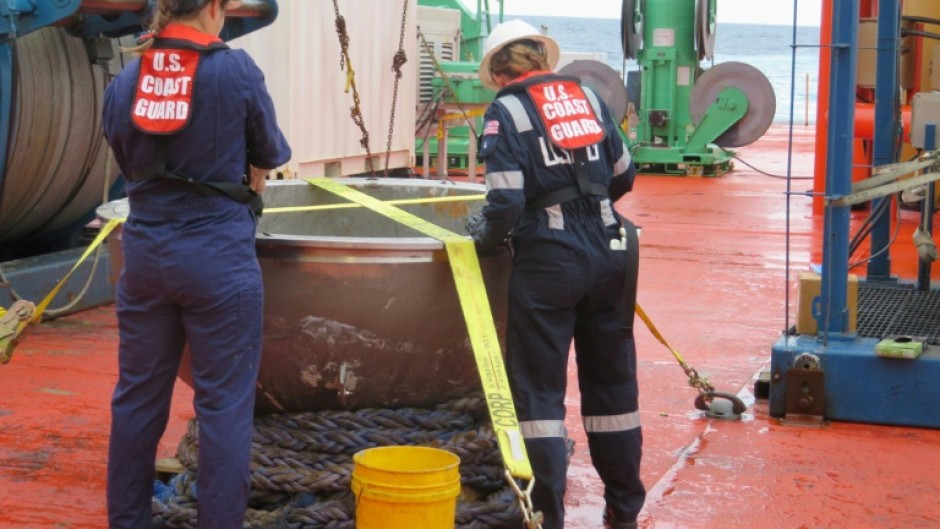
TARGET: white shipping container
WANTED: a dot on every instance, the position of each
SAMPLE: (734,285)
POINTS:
(300,57)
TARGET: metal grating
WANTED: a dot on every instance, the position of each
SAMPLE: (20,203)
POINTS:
(898,310)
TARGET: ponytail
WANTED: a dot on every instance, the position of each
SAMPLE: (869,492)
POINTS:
(162,13)
(520,57)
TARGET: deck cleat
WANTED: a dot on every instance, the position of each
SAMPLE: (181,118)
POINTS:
(722,409)
(720,405)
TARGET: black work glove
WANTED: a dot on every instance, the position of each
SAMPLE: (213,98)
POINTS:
(476,225)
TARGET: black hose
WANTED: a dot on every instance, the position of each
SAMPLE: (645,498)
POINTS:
(865,229)
(918,33)
(923,20)
(761,171)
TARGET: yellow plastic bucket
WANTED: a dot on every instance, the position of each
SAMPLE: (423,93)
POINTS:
(405,487)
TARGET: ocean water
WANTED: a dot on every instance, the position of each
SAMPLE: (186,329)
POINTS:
(768,48)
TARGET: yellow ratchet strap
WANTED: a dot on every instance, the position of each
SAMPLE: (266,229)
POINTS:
(7,353)
(105,231)
(649,324)
(399,202)
(476,310)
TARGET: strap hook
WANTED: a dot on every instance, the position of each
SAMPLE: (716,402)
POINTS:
(532,519)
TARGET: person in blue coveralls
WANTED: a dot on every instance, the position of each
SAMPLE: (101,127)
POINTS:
(193,129)
(555,164)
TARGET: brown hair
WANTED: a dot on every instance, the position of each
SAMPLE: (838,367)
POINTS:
(166,11)
(518,58)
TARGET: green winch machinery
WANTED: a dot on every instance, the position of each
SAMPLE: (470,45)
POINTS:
(688,116)
(455,84)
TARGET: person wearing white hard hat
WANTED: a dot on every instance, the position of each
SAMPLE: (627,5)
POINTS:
(555,165)
(515,31)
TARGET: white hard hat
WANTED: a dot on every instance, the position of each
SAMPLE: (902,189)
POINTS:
(507,33)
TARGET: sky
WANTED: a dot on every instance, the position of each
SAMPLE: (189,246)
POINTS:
(777,12)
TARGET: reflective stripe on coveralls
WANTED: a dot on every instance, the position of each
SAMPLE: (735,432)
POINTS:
(596,424)
(556,219)
(519,116)
(623,163)
(612,423)
(504,180)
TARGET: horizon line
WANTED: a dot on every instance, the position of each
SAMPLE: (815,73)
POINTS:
(507,15)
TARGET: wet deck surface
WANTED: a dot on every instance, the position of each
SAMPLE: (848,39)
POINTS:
(713,278)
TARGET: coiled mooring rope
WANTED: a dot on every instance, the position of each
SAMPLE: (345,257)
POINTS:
(301,466)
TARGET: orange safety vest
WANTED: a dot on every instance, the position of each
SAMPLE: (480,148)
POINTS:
(163,103)
(567,114)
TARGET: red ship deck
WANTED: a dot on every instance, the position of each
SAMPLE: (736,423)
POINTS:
(713,278)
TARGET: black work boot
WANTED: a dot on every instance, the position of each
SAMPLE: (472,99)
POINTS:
(611,521)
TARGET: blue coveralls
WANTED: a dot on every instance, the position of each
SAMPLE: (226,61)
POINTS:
(190,275)
(566,283)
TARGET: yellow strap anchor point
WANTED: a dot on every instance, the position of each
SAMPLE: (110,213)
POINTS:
(8,341)
(12,323)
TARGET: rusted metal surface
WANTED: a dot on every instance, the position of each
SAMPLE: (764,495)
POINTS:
(806,392)
(362,311)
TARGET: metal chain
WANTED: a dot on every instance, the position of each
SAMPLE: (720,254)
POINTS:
(697,381)
(397,62)
(532,519)
(355,112)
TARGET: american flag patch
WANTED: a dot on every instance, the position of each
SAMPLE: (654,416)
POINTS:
(491,128)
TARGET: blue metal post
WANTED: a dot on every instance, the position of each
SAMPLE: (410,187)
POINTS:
(858,385)
(6,104)
(839,167)
(886,128)
(19,17)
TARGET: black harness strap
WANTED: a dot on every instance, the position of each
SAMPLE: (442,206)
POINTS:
(583,188)
(631,277)
(240,193)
